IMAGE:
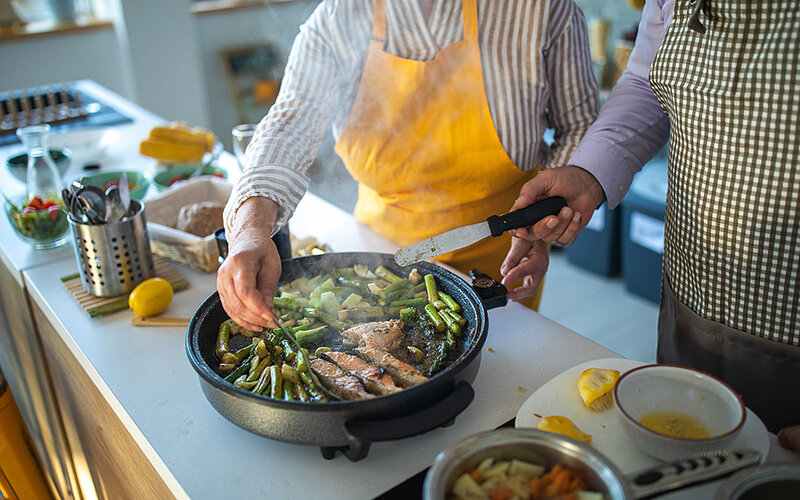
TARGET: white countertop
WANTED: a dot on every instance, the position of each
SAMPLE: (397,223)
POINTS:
(145,375)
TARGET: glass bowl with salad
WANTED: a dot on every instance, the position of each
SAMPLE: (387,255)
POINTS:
(42,222)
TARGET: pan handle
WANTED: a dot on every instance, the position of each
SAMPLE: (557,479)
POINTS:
(442,413)
(690,471)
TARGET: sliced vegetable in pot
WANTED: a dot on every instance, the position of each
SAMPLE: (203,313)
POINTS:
(393,330)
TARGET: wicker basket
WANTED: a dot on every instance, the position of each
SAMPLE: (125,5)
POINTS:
(162,217)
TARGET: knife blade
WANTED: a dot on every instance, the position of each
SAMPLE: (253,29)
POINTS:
(124,194)
(467,235)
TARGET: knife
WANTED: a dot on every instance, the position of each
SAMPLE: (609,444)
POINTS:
(467,235)
(124,194)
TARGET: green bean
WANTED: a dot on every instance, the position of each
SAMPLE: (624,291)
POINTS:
(242,353)
(459,319)
(430,286)
(434,316)
(452,304)
(440,360)
(386,274)
(285,303)
(277,382)
(320,350)
(226,367)
(288,391)
(229,359)
(302,360)
(262,382)
(261,349)
(242,383)
(289,352)
(307,337)
(421,301)
(439,304)
(310,312)
(311,387)
(241,369)
(330,320)
(300,390)
(450,322)
(256,373)
(223,338)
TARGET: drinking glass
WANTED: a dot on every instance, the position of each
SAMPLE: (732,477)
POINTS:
(241,138)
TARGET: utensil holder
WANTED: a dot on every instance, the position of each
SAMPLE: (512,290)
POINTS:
(113,258)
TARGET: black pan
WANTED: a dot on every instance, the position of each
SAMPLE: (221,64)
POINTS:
(349,426)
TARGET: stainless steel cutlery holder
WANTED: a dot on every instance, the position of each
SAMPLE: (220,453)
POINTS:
(113,258)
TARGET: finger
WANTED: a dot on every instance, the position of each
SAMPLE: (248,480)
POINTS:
(267,280)
(574,227)
(519,249)
(232,283)
(533,190)
(789,437)
(256,305)
(234,307)
(526,290)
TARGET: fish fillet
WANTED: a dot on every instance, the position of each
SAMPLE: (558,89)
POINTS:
(340,383)
(404,374)
(370,375)
(384,335)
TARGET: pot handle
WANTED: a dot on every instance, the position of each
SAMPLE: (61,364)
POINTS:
(491,292)
(690,471)
(442,413)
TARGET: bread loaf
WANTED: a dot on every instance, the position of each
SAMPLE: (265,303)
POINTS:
(200,219)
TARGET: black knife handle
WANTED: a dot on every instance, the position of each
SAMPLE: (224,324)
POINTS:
(524,217)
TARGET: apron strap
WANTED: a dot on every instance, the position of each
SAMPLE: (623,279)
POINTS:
(470,16)
(379,21)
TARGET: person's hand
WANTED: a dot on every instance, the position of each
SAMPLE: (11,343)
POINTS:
(526,261)
(789,437)
(582,192)
(246,280)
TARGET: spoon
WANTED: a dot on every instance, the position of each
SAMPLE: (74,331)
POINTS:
(91,200)
(117,210)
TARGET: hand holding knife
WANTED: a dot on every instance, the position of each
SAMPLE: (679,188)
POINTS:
(467,235)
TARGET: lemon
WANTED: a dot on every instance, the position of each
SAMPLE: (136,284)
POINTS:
(564,426)
(150,297)
(595,386)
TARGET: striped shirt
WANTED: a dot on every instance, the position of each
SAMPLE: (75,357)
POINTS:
(536,68)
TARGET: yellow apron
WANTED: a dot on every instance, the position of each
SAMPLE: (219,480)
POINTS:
(422,145)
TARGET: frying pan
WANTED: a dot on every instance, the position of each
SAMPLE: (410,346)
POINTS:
(349,426)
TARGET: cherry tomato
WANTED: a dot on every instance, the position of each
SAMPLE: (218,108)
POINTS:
(35,203)
(48,203)
(174,179)
(52,212)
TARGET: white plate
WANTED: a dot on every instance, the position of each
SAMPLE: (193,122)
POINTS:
(560,396)
(85,141)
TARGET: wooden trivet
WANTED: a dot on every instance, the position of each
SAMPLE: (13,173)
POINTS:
(99,306)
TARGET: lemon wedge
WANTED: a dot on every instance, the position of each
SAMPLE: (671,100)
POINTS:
(563,425)
(595,386)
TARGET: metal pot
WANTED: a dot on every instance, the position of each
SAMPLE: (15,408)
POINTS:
(599,473)
(771,482)
(349,426)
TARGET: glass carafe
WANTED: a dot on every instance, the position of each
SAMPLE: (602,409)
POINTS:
(43,179)
(39,218)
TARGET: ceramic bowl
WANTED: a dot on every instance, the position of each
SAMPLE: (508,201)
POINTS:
(18,164)
(655,388)
(138,182)
(173,175)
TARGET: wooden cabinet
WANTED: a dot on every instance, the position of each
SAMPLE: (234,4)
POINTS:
(110,463)
(27,375)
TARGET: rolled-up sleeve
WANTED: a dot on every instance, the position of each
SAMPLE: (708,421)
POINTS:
(631,127)
(572,106)
(288,137)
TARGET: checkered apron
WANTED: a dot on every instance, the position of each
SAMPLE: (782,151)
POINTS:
(728,77)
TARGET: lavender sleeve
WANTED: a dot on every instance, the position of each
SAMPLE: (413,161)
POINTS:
(631,127)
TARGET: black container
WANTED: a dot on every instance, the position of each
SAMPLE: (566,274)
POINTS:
(596,248)
(348,426)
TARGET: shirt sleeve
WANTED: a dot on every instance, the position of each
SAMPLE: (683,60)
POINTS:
(572,106)
(631,127)
(288,137)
